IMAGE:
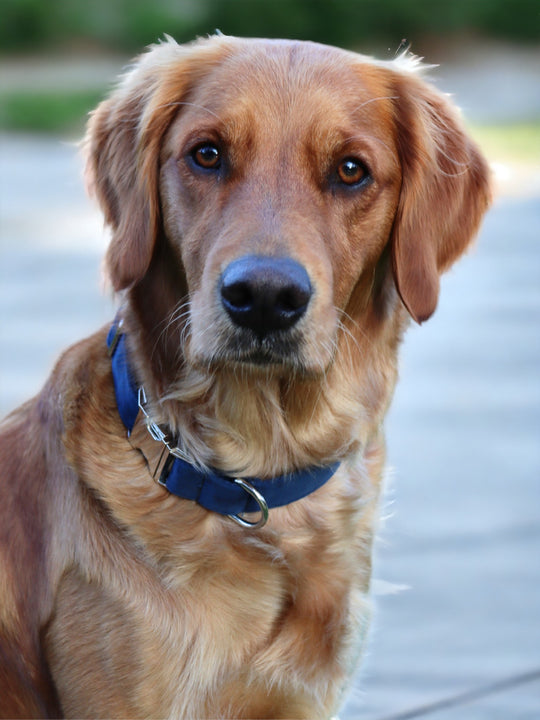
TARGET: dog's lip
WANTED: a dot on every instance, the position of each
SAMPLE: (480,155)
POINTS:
(282,352)
(257,354)
(263,357)
(280,347)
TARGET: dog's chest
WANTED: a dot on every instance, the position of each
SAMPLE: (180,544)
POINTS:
(175,639)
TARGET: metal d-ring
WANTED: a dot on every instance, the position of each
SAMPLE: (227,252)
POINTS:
(263,507)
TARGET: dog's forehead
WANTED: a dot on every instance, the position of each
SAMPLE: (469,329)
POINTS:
(266,77)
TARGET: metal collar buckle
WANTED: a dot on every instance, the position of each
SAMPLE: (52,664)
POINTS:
(263,507)
(154,429)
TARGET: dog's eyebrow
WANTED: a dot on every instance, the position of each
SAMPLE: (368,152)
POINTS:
(190,104)
(364,137)
(382,97)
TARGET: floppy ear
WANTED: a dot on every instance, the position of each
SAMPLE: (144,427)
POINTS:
(445,191)
(122,147)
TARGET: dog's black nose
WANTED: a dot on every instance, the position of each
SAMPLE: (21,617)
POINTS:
(265,293)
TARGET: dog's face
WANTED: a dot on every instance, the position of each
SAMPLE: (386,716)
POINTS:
(296,186)
(279,191)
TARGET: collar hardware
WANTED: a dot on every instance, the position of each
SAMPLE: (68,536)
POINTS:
(155,430)
(261,522)
(113,337)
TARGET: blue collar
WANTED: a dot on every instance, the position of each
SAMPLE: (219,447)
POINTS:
(209,488)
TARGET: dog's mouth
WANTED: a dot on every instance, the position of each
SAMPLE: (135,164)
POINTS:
(283,353)
(262,356)
(280,352)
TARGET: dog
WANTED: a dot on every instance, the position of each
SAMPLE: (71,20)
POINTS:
(188,505)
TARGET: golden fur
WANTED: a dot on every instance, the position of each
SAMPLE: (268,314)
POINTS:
(120,600)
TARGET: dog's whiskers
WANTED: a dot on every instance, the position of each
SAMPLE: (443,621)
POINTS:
(179,313)
(342,326)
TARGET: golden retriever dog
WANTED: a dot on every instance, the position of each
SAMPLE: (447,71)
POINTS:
(188,506)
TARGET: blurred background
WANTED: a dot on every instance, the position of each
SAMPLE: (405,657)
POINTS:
(457,573)
(63,36)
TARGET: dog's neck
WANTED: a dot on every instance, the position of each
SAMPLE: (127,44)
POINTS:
(255,422)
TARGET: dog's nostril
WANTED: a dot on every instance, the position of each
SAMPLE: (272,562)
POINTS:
(237,294)
(292,299)
(265,294)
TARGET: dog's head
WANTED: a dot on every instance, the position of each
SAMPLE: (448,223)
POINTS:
(284,190)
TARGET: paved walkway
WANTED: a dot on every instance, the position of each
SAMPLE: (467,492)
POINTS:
(457,628)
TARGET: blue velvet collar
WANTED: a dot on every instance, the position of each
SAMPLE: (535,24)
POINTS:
(209,488)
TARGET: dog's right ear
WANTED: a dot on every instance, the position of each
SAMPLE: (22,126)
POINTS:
(127,199)
(122,146)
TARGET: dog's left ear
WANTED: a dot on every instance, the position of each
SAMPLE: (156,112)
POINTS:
(445,191)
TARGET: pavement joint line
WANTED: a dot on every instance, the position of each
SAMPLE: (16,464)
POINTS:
(467,697)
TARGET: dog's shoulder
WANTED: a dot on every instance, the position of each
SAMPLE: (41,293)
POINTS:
(34,467)
(37,488)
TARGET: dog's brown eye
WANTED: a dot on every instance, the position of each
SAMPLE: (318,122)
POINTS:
(207,156)
(351,171)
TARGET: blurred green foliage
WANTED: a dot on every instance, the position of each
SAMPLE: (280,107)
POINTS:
(50,112)
(127,25)
(509,142)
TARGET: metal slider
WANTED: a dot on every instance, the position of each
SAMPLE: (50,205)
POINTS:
(155,430)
